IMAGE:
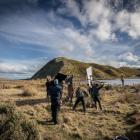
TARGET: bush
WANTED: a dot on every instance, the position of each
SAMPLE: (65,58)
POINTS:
(29,91)
(14,126)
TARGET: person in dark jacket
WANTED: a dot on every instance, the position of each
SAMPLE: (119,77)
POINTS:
(56,95)
(122,80)
(49,84)
(96,95)
(80,94)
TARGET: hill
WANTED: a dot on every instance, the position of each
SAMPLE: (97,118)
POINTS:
(78,69)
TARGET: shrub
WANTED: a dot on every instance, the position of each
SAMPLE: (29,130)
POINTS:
(14,126)
(29,91)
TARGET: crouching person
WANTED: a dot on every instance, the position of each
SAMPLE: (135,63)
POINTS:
(80,94)
(56,95)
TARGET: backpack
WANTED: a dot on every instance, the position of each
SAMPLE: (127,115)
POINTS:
(79,93)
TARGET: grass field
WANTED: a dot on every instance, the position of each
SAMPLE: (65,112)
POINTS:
(120,114)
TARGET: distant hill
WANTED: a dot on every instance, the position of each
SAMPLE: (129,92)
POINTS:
(78,69)
(1,79)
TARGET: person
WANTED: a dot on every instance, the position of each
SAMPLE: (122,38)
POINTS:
(122,80)
(56,95)
(80,94)
(95,94)
(89,91)
(70,89)
(62,87)
(49,84)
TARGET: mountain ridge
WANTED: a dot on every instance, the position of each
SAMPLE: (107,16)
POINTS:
(78,69)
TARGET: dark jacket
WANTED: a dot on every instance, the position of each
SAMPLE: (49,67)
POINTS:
(79,94)
(49,84)
(95,90)
(56,92)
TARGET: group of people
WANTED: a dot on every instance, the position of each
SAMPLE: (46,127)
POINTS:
(54,94)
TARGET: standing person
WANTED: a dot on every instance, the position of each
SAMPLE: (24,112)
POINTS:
(70,88)
(62,87)
(96,95)
(49,84)
(89,91)
(80,94)
(56,95)
(122,80)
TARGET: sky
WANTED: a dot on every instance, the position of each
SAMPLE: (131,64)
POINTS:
(32,32)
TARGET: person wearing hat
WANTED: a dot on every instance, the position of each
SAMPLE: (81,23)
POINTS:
(56,95)
(96,95)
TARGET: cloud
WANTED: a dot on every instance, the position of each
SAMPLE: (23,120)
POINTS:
(95,15)
(129,23)
(107,17)
(96,11)
(55,31)
(73,8)
(12,68)
(21,68)
(98,17)
(61,37)
(104,31)
(129,57)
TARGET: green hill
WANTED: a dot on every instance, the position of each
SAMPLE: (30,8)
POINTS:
(78,69)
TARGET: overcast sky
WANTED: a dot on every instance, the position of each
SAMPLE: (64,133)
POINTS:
(32,32)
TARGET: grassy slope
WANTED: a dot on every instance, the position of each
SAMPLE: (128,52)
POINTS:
(95,125)
(78,69)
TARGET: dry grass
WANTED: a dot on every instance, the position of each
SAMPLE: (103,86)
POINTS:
(15,126)
(78,69)
(29,91)
(117,103)
(129,98)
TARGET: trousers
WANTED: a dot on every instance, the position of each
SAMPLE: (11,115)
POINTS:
(55,107)
(80,99)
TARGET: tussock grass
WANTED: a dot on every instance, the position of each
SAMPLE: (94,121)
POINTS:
(14,126)
(117,103)
(29,91)
(129,98)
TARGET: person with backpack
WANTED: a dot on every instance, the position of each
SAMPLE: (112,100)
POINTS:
(56,95)
(80,94)
(96,95)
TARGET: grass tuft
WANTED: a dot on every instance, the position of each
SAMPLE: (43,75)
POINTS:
(29,91)
(14,126)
